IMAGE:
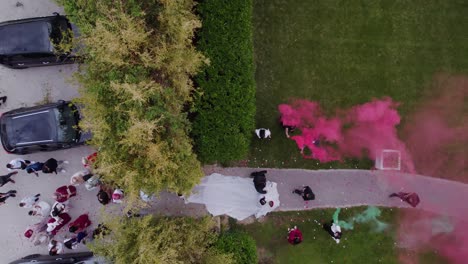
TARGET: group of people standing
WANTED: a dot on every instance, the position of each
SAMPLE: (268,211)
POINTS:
(54,218)
(294,236)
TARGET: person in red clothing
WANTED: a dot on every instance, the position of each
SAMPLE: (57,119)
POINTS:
(63,193)
(88,162)
(55,223)
(294,236)
(79,224)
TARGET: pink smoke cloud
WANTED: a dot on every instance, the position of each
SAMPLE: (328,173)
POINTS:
(436,134)
(369,127)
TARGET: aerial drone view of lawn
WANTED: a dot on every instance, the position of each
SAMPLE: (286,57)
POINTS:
(342,54)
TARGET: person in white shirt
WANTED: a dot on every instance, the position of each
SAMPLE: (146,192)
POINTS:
(334,230)
(18,164)
(263,133)
(55,248)
(30,201)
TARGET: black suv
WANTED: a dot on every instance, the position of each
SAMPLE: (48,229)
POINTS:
(33,42)
(70,258)
(41,128)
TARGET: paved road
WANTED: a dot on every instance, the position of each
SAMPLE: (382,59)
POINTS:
(346,188)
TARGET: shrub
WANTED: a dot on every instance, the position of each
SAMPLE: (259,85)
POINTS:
(159,240)
(223,122)
(240,244)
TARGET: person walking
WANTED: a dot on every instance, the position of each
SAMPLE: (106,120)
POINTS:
(18,164)
(52,165)
(306,193)
(7,178)
(40,209)
(5,196)
(36,233)
(29,201)
(117,196)
(72,243)
(55,247)
(80,224)
(58,208)
(65,192)
(34,168)
(263,133)
(3,99)
(411,198)
(334,230)
(54,224)
(259,179)
(294,236)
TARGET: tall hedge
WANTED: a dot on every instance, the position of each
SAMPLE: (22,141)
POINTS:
(225,107)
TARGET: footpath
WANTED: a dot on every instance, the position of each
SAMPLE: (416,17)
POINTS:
(340,188)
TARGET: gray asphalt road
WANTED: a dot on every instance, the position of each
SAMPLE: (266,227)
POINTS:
(346,188)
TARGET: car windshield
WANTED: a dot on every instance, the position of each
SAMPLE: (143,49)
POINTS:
(67,127)
(58,124)
(25,37)
(31,128)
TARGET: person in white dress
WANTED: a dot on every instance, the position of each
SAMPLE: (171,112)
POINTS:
(234,196)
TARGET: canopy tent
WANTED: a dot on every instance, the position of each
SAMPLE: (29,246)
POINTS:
(234,196)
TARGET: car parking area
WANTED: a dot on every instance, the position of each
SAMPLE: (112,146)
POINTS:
(26,88)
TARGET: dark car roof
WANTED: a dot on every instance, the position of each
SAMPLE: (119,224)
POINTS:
(27,35)
(25,38)
(31,128)
(58,259)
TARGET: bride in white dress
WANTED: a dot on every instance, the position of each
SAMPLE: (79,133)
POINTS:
(234,196)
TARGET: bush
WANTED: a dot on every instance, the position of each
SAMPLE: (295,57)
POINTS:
(241,245)
(159,240)
(136,83)
(224,118)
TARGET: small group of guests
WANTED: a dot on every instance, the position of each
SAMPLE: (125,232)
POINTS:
(54,218)
(49,166)
(294,236)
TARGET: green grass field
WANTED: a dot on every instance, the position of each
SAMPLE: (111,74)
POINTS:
(360,245)
(343,53)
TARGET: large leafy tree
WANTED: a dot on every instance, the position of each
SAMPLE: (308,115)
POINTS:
(155,240)
(136,88)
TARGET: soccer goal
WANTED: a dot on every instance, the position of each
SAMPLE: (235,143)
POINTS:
(388,159)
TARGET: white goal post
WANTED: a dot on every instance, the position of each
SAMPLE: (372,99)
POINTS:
(388,159)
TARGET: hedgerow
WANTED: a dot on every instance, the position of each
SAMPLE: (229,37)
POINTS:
(136,81)
(223,122)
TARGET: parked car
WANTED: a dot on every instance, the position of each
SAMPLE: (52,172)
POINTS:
(69,258)
(33,42)
(42,128)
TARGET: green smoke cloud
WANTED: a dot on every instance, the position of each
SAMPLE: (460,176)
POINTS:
(369,215)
